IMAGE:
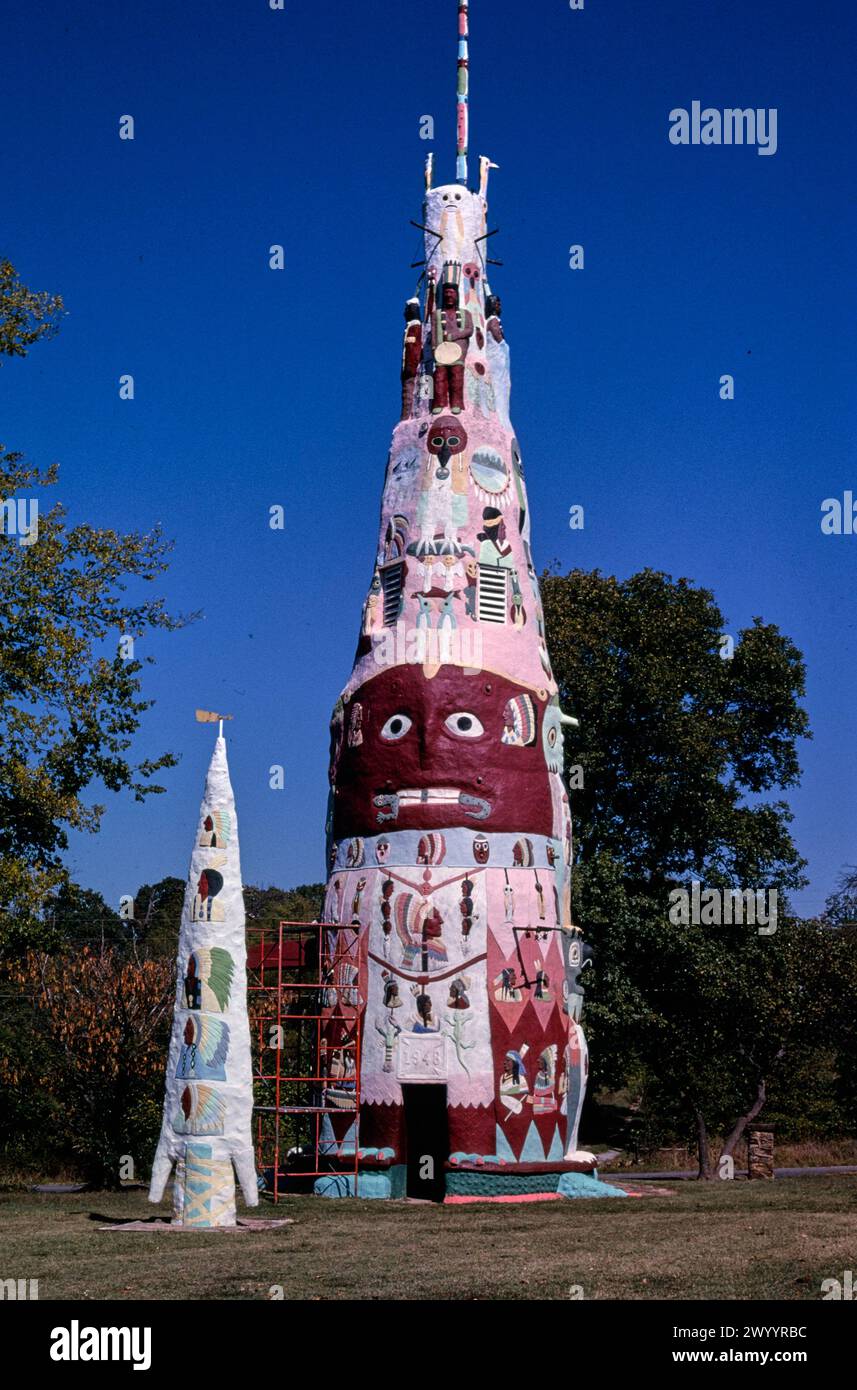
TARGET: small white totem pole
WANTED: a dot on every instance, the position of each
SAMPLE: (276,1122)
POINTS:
(209,1092)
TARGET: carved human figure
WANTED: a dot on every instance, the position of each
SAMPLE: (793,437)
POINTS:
(495,547)
(493,310)
(497,356)
(412,351)
(452,331)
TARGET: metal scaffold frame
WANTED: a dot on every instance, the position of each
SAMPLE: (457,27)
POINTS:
(306,1022)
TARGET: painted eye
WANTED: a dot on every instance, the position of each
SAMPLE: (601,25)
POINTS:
(552,738)
(396,726)
(438,441)
(453,441)
(464,725)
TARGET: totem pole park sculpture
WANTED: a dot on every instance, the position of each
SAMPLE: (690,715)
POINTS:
(209,1093)
(449,832)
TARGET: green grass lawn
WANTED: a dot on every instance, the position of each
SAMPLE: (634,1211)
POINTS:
(720,1240)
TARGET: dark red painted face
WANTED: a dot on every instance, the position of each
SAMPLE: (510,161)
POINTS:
(433,755)
(446,436)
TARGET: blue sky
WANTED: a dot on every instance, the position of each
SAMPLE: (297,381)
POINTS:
(256,387)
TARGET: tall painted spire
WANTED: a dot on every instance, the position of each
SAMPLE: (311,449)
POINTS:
(463,113)
(209,1093)
(449,828)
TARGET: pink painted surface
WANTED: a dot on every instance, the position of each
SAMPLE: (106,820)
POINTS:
(449,831)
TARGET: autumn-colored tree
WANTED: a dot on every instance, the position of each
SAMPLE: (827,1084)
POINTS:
(61,1104)
(104,1021)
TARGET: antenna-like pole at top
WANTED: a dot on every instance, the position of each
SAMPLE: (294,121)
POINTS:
(463,122)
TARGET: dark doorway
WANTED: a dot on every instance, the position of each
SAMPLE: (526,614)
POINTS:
(427,1130)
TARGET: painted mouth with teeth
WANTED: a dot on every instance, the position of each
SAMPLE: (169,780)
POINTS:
(391,803)
(413,752)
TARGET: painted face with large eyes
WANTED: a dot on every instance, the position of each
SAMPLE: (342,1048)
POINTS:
(446,438)
(433,756)
(552,739)
(455,198)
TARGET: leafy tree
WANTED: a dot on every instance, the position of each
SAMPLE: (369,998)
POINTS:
(718,1020)
(80,916)
(26,316)
(70,688)
(31,1113)
(158,910)
(84,1025)
(735,1014)
(157,916)
(840,914)
(103,1022)
(673,739)
(840,909)
(679,751)
(266,907)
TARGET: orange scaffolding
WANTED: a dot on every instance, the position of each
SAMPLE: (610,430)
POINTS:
(306,1011)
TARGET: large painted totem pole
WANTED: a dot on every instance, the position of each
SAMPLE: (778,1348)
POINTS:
(449,830)
(206,1130)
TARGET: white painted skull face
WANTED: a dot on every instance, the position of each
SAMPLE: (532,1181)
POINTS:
(382,851)
(552,740)
(459,216)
